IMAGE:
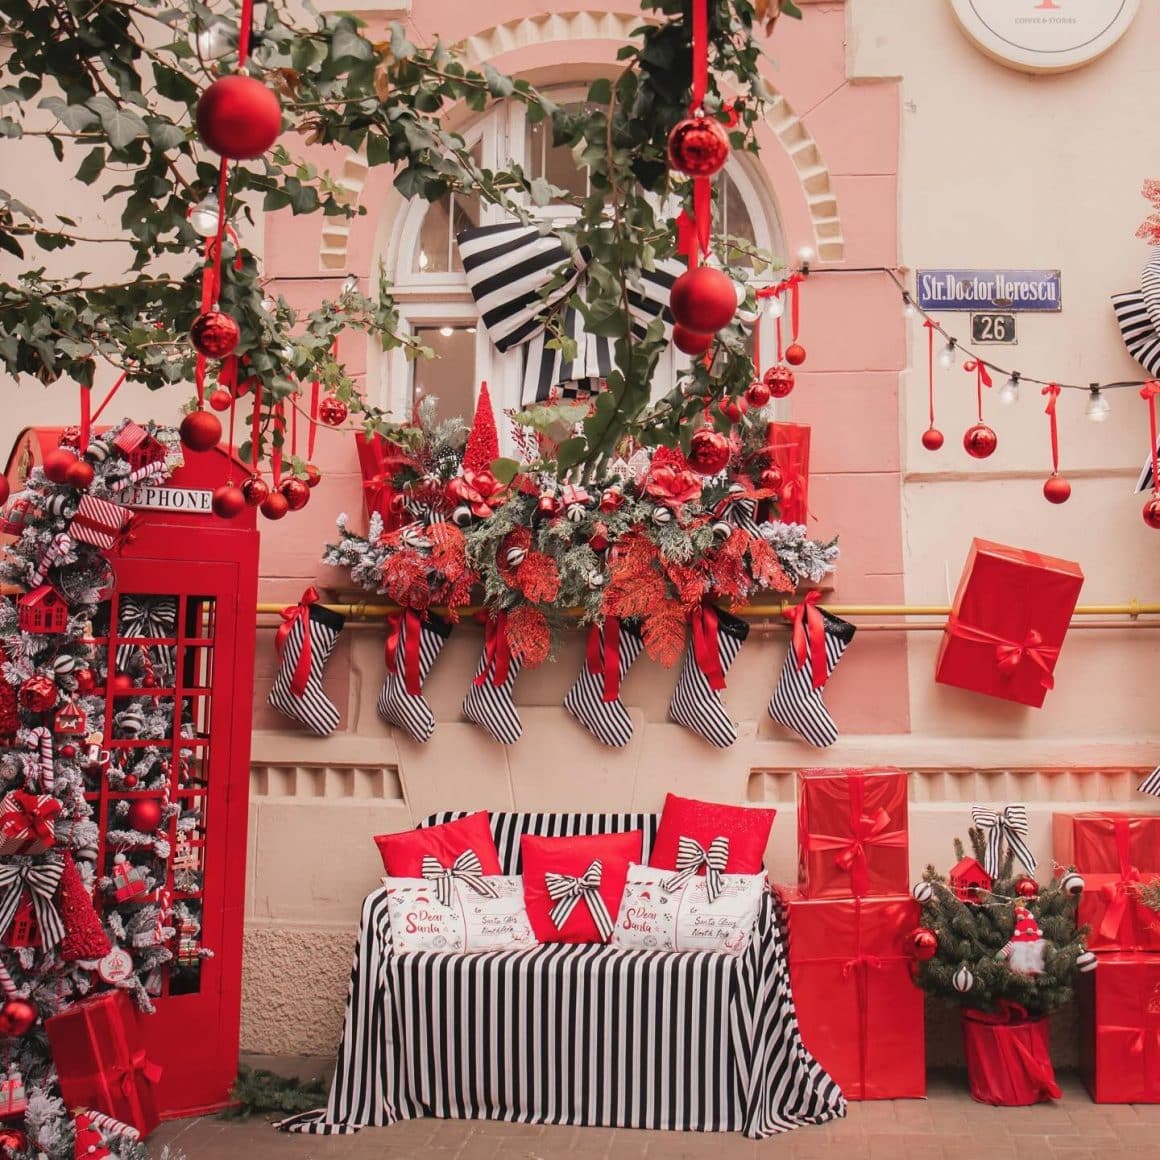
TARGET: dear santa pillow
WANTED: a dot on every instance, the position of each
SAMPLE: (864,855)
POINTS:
(403,854)
(746,830)
(587,867)
(473,922)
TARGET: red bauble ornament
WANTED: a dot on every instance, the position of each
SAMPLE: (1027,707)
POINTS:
(1151,512)
(130,781)
(17,1017)
(1056,489)
(13,1141)
(733,409)
(332,411)
(708,451)
(68,752)
(238,117)
(37,694)
(313,475)
(757,394)
(85,680)
(57,465)
(80,474)
(795,354)
(5,490)
(274,506)
(220,399)
(296,493)
(932,439)
(704,300)
(145,815)
(201,431)
(255,490)
(980,441)
(698,146)
(121,685)
(691,341)
(771,479)
(228,501)
(1026,887)
(780,381)
(215,334)
(923,944)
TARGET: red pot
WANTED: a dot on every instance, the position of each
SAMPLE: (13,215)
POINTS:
(1008,1060)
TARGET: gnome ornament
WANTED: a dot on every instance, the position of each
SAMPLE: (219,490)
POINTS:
(1026,948)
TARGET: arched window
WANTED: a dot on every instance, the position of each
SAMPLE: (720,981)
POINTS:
(422,261)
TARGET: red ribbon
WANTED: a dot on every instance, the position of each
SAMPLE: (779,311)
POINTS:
(1148,393)
(497,649)
(604,656)
(1009,654)
(410,640)
(315,389)
(982,379)
(139,1065)
(929,324)
(291,615)
(809,636)
(1119,894)
(860,967)
(705,623)
(1052,393)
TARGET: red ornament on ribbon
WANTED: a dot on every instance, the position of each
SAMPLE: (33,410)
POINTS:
(809,636)
(1148,393)
(291,615)
(603,656)
(982,378)
(403,649)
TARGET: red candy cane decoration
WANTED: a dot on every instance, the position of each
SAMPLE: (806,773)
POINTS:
(40,739)
(7,986)
(148,471)
(109,1126)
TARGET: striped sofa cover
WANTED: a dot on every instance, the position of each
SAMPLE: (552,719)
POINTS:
(567,1034)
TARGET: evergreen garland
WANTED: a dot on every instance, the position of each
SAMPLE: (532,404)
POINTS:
(257,1090)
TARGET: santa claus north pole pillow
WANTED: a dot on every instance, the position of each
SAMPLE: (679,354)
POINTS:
(403,854)
(473,922)
(657,915)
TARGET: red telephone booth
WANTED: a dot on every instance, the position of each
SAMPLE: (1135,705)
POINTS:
(180,621)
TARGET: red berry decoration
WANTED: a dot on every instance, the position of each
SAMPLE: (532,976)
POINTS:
(923,944)
(220,399)
(980,441)
(145,815)
(932,439)
(296,492)
(771,479)
(228,501)
(238,117)
(795,354)
(1026,887)
(255,490)
(733,409)
(1151,512)
(691,341)
(757,394)
(332,411)
(708,451)
(215,334)
(703,300)
(121,685)
(80,474)
(313,475)
(698,146)
(38,694)
(274,507)
(1056,489)
(201,431)
(17,1017)
(57,465)
(780,381)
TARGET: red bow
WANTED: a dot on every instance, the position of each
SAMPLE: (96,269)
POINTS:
(409,641)
(1119,894)
(497,649)
(672,486)
(291,615)
(604,656)
(705,623)
(480,490)
(139,1065)
(1009,654)
(809,636)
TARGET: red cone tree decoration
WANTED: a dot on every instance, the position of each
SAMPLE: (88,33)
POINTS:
(482,448)
(84,937)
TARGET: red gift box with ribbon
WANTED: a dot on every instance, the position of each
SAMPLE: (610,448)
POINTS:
(1010,615)
(378,460)
(1120,1029)
(99,1054)
(27,822)
(99,522)
(860,1013)
(788,445)
(852,833)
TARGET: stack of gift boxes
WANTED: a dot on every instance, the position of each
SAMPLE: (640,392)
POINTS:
(1120,1001)
(850,919)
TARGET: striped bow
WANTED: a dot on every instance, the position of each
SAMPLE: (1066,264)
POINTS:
(566,891)
(147,617)
(739,507)
(41,882)
(467,868)
(691,856)
(1151,784)
(1009,823)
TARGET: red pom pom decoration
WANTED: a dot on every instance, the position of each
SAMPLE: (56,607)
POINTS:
(37,694)
(228,501)
(698,146)
(215,334)
(145,815)
(1151,512)
(200,431)
(980,441)
(757,394)
(238,117)
(220,399)
(255,491)
(332,411)
(795,354)
(932,439)
(703,300)
(80,474)
(923,944)
(1056,489)
(691,341)
(17,1017)
(57,465)
(313,475)
(708,451)
(274,507)
(296,492)
(780,380)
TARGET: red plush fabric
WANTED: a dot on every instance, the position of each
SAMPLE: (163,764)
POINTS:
(402,854)
(747,830)
(573,856)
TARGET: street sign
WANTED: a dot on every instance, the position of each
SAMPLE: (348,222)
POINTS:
(992,327)
(984,290)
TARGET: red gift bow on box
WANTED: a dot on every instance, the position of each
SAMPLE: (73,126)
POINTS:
(31,818)
(291,615)
(604,656)
(1009,654)
(809,635)
(410,641)
(139,1064)
(497,649)
(1119,894)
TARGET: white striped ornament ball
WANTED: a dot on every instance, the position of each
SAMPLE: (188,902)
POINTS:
(1072,883)
(922,892)
(963,980)
(1086,961)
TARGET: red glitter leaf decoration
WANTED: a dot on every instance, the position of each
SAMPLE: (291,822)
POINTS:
(664,634)
(538,578)
(766,568)
(528,635)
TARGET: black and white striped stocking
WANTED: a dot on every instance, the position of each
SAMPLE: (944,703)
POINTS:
(594,700)
(797,701)
(489,703)
(715,639)
(413,643)
(304,644)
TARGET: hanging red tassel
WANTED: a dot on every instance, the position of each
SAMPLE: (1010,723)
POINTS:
(1056,489)
(932,437)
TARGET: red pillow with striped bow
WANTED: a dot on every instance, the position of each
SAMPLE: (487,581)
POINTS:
(403,854)
(744,828)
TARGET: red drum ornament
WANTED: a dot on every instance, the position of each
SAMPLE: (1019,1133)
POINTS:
(691,342)
(795,354)
(239,117)
(698,146)
(255,491)
(708,451)
(703,300)
(758,394)
(200,431)
(80,474)
(1026,887)
(932,439)
(1056,489)
(923,944)
(274,507)
(980,441)
(228,501)
(332,411)
(1151,512)
(296,492)
(215,334)
(220,399)
(57,465)
(780,380)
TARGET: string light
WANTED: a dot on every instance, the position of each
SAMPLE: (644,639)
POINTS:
(1098,407)
(775,308)
(203,218)
(215,39)
(909,310)
(1009,391)
(446,331)
(946,356)
(269,305)
(806,254)
(349,284)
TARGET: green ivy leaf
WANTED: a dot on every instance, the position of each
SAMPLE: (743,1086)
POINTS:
(505,470)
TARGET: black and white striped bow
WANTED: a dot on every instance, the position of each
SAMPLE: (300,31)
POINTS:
(145,617)
(41,882)
(1151,784)
(691,856)
(566,891)
(1009,823)
(739,508)
(466,868)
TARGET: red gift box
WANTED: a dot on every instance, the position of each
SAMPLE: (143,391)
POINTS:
(1120,1030)
(99,522)
(860,1013)
(378,460)
(99,1054)
(27,822)
(789,451)
(852,833)
(1091,841)
(1010,615)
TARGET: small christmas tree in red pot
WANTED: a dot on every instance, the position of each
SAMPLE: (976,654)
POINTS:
(1006,954)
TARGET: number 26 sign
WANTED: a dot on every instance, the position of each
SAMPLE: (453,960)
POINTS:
(992,327)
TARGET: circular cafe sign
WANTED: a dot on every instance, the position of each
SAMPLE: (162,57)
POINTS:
(1045,35)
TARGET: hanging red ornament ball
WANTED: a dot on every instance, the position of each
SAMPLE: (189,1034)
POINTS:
(733,409)
(698,146)
(1026,887)
(1056,489)
(5,489)
(220,399)
(38,694)
(313,475)
(17,1017)
(255,491)
(67,751)
(691,341)
(332,411)
(704,300)
(296,492)
(274,506)
(708,451)
(145,815)
(780,381)
(795,354)
(121,685)
(923,944)
(80,474)
(201,431)
(757,394)
(215,334)
(980,441)
(238,117)
(932,439)
(771,478)
(228,501)
(1152,512)
(130,781)
(85,680)
(57,464)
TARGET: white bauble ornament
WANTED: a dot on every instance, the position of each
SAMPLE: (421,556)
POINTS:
(922,891)
(963,980)
(1086,961)
(461,516)
(662,515)
(1072,883)
(514,557)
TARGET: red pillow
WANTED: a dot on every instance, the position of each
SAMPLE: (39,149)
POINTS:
(573,856)
(746,828)
(402,854)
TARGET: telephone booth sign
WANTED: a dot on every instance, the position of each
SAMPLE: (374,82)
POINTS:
(174,638)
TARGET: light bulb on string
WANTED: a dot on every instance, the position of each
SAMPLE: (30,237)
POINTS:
(1098,408)
(349,284)
(775,308)
(946,356)
(909,310)
(214,39)
(1009,391)
(203,218)
(805,253)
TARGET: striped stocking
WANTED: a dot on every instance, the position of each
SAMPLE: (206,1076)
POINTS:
(413,643)
(819,640)
(304,644)
(489,703)
(715,639)
(594,700)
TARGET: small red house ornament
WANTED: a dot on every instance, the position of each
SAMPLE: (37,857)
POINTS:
(969,880)
(42,610)
(138,446)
